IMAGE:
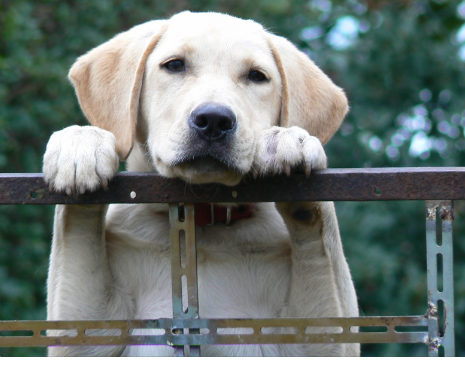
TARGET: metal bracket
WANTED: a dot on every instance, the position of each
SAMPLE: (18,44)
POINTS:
(439,258)
(184,272)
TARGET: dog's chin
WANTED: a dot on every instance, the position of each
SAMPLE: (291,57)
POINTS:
(203,170)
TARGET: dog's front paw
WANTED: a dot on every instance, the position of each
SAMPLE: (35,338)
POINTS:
(281,149)
(80,159)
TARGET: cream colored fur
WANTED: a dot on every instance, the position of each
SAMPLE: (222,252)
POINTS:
(114,262)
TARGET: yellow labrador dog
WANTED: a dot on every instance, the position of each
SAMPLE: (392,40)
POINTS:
(208,98)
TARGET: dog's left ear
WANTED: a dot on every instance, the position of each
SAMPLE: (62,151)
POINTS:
(309,98)
(108,81)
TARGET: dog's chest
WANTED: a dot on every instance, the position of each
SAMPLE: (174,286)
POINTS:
(243,269)
(231,284)
(235,286)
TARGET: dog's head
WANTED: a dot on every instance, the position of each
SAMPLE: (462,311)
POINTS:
(189,96)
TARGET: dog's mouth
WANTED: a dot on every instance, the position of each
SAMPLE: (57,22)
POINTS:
(206,164)
(207,168)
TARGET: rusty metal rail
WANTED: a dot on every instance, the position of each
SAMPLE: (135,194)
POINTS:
(186,332)
(371,184)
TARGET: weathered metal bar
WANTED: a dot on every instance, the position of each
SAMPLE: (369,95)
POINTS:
(371,184)
(441,320)
(184,267)
(217,331)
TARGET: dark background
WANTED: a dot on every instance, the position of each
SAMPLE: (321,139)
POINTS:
(401,64)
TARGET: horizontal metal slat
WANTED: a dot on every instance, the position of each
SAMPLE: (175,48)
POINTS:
(234,331)
(371,184)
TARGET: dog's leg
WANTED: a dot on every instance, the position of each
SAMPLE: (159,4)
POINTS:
(321,285)
(80,284)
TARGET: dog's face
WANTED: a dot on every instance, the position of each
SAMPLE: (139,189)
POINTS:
(193,93)
(211,84)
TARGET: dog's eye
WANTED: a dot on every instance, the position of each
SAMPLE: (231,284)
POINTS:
(175,66)
(257,76)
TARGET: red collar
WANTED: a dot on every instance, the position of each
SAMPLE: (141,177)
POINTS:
(209,214)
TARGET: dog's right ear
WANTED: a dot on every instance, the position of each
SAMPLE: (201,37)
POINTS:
(309,98)
(108,81)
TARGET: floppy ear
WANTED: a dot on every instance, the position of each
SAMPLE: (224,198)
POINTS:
(108,81)
(309,98)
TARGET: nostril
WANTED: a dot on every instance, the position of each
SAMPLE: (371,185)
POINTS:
(225,124)
(201,121)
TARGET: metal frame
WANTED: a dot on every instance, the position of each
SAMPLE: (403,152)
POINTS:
(186,331)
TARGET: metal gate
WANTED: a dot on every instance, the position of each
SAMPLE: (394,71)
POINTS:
(186,332)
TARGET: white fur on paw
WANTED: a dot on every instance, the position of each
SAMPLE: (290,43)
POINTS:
(281,149)
(80,159)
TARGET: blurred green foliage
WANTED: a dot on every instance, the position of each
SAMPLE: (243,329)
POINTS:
(401,64)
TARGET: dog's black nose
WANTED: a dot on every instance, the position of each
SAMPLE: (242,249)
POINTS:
(213,121)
